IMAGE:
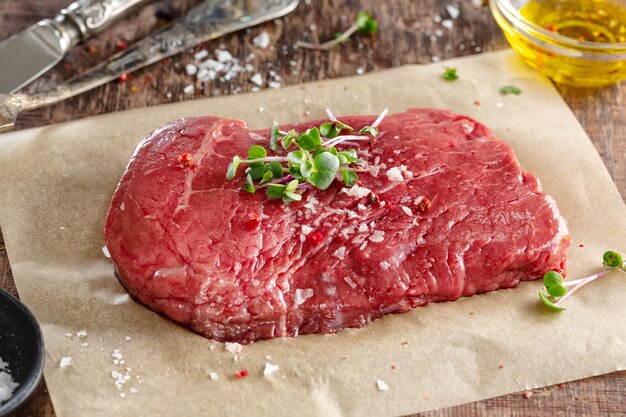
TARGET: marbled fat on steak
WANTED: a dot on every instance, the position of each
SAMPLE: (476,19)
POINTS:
(185,243)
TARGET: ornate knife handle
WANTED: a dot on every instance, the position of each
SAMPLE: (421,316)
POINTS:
(85,18)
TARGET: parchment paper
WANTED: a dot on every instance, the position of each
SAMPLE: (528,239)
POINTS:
(56,186)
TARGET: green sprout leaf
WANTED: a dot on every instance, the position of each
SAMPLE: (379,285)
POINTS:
(256,170)
(306,168)
(275,137)
(232,168)
(292,186)
(329,130)
(266,177)
(549,303)
(612,259)
(309,140)
(366,24)
(369,130)
(509,89)
(289,197)
(275,190)
(450,74)
(349,154)
(275,168)
(287,140)
(249,185)
(296,157)
(552,278)
(325,168)
(256,152)
(349,177)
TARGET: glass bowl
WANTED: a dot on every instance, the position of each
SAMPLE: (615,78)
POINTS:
(565,60)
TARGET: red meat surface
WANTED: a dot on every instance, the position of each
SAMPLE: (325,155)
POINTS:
(234,266)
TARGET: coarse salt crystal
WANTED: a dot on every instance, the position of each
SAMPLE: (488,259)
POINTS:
(269,369)
(301,295)
(233,347)
(361,207)
(262,40)
(382,385)
(350,282)
(407,211)
(189,88)
(306,229)
(453,10)
(120,299)
(191,69)
(65,361)
(213,376)
(360,71)
(200,55)
(394,174)
(134,390)
(448,24)
(363,228)
(223,56)
(82,333)
(385,265)
(106,252)
(128,338)
(437,18)
(274,84)
(7,384)
(377,237)
(257,79)
(356,191)
(340,253)
(499,105)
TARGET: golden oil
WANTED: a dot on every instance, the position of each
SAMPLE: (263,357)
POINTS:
(594,52)
(598,21)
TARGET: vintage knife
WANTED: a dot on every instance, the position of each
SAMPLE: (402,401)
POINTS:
(209,20)
(32,52)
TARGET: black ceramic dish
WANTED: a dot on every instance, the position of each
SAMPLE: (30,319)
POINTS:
(21,346)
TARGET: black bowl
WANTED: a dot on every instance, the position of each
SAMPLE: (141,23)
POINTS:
(21,346)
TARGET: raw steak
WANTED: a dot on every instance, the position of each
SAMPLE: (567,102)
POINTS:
(186,242)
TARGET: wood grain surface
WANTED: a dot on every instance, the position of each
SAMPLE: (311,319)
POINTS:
(408,35)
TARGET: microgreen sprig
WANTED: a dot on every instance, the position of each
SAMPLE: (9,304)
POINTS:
(364,24)
(557,289)
(312,159)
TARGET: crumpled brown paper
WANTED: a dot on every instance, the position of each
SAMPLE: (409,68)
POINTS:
(57,182)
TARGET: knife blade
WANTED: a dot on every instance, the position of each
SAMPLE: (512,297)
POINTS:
(27,55)
(207,21)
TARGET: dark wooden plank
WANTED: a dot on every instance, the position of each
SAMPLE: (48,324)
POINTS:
(406,27)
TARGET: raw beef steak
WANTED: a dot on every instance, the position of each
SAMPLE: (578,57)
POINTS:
(235,266)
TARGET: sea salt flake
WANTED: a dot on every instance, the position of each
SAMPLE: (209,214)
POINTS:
(233,347)
(213,376)
(7,384)
(134,390)
(453,11)
(274,84)
(269,369)
(357,191)
(301,295)
(350,282)
(394,174)
(189,89)
(128,338)
(382,385)
(200,55)
(65,361)
(262,40)
(106,252)
(257,79)
(377,237)
(223,56)
(82,333)
(363,228)
(448,24)
(340,253)
(121,299)
(306,229)
(191,69)
(407,211)
(499,105)
(385,265)
(360,71)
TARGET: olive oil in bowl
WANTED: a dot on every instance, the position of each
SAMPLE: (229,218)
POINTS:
(579,42)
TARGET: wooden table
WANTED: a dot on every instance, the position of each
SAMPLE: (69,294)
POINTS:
(407,36)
